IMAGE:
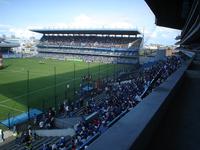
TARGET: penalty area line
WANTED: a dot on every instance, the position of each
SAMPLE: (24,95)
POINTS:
(11,108)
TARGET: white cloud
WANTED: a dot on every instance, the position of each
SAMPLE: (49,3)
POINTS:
(20,32)
(81,21)
(9,30)
(162,35)
(152,35)
(85,21)
(4,26)
(159,35)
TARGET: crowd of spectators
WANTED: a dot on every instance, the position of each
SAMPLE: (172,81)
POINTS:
(60,145)
(47,121)
(121,97)
(88,58)
(90,48)
(88,41)
(26,137)
(98,52)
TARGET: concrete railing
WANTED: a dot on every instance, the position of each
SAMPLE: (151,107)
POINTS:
(56,132)
(135,129)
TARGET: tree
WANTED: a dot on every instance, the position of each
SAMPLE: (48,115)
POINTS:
(4,36)
(13,36)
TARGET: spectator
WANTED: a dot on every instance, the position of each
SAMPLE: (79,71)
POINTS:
(2,135)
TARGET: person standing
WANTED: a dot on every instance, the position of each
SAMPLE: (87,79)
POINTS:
(2,135)
(14,130)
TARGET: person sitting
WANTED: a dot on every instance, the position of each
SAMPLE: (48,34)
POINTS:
(54,147)
(41,124)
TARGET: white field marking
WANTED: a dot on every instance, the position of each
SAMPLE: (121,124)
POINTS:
(35,91)
(33,73)
(11,108)
(23,72)
(45,88)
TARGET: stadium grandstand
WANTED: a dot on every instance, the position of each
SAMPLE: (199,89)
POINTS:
(6,50)
(111,46)
(6,46)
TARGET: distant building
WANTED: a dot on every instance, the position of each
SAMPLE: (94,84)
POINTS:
(163,53)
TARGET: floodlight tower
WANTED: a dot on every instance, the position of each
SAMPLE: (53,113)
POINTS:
(1,60)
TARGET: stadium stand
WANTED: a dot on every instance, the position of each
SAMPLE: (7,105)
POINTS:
(122,99)
(112,46)
(5,49)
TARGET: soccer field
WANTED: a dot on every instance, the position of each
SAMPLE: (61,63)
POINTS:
(13,82)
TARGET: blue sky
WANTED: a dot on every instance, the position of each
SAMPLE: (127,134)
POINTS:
(17,16)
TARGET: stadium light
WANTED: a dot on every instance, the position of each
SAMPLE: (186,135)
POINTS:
(99,72)
(74,77)
(88,74)
(55,100)
(66,91)
(28,92)
(1,60)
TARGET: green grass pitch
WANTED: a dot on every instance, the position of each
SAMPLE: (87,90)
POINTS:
(13,82)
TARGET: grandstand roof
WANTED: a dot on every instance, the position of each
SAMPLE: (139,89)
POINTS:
(105,32)
(8,45)
(170,13)
(179,14)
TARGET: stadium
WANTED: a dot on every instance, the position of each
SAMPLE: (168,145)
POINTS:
(88,89)
(72,82)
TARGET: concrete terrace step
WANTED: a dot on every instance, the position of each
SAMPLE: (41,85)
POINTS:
(98,99)
(8,146)
(49,140)
(65,123)
(37,144)
(22,146)
(55,132)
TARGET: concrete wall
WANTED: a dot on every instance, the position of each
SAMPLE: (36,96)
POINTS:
(179,128)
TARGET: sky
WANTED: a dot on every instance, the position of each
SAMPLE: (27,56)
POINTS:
(17,17)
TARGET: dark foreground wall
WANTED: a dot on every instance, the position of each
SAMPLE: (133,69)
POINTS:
(179,129)
(136,128)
